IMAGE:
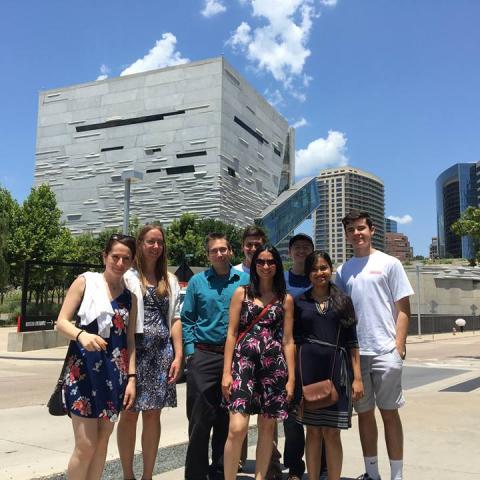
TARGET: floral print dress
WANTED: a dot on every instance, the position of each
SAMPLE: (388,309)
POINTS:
(259,369)
(95,381)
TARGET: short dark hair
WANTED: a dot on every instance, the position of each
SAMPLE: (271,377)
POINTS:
(300,236)
(126,240)
(341,303)
(216,236)
(354,215)
(254,231)
(279,285)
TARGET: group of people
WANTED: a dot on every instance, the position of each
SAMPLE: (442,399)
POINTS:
(251,337)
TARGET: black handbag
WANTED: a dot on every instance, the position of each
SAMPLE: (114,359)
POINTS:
(56,405)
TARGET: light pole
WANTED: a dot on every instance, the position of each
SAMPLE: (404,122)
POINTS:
(128,176)
(419,317)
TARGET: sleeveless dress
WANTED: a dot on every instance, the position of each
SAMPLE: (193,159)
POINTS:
(95,382)
(154,356)
(259,369)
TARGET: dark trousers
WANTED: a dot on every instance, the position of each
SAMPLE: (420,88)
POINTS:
(205,415)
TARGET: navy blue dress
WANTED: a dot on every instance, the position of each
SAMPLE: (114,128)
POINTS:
(95,382)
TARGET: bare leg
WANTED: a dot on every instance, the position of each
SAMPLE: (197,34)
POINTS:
(150,440)
(236,433)
(105,429)
(126,436)
(266,427)
(85,431)
(313,451)
(393,433)
(334,452)
(367,426)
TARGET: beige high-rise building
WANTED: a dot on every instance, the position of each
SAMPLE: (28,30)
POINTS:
(342,189)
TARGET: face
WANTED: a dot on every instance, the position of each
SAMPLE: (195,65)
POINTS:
(118,260)
(250,246)
(359,234)
(265,265)
(219,254)
(152,245)
(321,273)
(300,250)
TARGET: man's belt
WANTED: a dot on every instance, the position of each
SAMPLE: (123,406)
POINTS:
(210,347)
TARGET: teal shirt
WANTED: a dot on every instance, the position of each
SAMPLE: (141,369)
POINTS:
(206,305)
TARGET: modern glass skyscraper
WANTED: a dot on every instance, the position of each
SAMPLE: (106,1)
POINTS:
(456,190)
(342,189)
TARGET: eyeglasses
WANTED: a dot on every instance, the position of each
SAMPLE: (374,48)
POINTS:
(120,236)
(270,262)
(151,243)
(215,251)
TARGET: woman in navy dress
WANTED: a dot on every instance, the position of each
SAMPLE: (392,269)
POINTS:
(158,350)
(259,366)
(323,314)
(99,379)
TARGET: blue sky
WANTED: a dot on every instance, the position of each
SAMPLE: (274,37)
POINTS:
(391,87)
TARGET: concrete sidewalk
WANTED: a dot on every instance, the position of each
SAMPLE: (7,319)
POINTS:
(442,429)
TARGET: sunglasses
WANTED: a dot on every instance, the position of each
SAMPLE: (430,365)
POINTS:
(269,262)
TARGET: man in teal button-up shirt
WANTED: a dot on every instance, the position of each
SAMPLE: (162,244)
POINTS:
(204,324)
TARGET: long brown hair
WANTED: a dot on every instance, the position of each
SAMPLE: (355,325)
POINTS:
(161,271)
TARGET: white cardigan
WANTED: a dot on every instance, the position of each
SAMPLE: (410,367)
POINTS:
(132,280)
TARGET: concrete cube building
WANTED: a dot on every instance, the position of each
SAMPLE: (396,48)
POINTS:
(205,140)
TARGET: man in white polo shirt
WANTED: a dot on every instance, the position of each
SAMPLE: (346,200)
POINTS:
(380,292)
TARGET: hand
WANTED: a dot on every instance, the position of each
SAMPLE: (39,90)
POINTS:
(357,389)
(227,381)
(290,388)
(130,391)
(402,350)
(92,342)
(175,369)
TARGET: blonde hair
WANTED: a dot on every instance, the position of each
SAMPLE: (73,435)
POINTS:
(161,271)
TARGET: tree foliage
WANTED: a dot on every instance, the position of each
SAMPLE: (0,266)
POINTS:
(186,239)
(469,225)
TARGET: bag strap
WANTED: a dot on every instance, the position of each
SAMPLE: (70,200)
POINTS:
(256,320)
(334,357)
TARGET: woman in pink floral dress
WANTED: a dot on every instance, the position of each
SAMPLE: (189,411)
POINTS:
(100,373)
(259,372)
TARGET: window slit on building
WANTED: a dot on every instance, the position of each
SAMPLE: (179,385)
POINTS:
(250,130)
(199,153)
(128,121)
(109,149)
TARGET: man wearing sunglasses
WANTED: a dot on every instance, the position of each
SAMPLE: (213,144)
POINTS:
(204,325)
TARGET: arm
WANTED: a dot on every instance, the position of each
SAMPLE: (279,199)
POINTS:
(189,318)
(357,384)
(175,368)
(289,346)
(89,341)
(232,334)
(403,317)
(130,389)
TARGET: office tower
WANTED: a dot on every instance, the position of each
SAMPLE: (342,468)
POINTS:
(342,189)
(456,190)
(391,226)
(397,245)
(204,139)
(433,249)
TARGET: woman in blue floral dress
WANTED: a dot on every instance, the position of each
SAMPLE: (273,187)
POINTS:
(159,349)
(100,373)
(259,371)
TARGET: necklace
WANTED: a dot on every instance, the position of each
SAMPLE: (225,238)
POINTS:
(322,305)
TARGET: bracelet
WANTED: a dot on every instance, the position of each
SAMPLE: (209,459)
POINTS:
(78,334)
(131,375)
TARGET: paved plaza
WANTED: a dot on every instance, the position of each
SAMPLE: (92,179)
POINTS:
(441,418)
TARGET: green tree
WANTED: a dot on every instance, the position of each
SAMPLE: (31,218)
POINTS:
(469,225)
(9,213)
(4,268)
(186,237)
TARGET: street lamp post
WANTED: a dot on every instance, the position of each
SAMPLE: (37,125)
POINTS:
(128,176)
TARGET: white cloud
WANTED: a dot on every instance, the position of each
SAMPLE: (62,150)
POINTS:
(104,71)
(274,98)
(279,46)
(213,7)
(322,153)
(163,54)
(300,123)
(329,3)
(401,220)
